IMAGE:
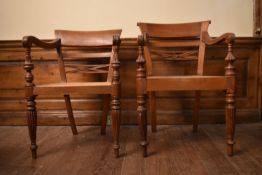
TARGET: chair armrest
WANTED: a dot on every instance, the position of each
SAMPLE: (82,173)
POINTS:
(28,41)
(226,37)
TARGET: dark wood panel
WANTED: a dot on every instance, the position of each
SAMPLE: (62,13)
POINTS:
(174,107)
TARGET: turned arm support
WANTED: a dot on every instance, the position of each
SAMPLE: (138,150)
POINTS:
(116,44)
(115,67)
(141,41)
(141,67)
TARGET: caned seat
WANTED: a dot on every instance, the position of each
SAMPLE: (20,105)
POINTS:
(176,43)
(79,52)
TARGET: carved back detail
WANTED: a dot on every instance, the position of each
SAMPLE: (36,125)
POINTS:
(174,42)
(87,52)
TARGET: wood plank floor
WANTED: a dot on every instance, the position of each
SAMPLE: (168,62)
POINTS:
(173,150)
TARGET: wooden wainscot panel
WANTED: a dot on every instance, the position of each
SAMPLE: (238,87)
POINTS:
(173,107)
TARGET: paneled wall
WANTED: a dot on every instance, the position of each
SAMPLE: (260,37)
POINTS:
(173,108)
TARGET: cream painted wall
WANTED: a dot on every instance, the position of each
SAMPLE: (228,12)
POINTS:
(41,17)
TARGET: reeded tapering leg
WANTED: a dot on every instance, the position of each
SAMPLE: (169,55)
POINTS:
(141,94)
(152,109)
(30,97)
(106,105)
(230,122)
(70,114)
(32,123)
(142,121)
(196,111)
(116,123)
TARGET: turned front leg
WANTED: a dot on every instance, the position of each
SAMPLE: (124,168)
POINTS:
(30,101)
(116,91)
(142,121)
(230,98)
(230,122)
(141,94)
(115,107)
(32,124)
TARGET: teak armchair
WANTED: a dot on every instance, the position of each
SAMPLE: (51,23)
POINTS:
(178,42)
(102,58)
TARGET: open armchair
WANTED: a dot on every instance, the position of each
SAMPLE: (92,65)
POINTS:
(102,55)
(180,42)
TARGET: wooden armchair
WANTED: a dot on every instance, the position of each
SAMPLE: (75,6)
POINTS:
(178,42)
(102,56)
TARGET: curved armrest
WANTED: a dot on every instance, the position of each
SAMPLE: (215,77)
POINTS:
(28,41)
(226,37)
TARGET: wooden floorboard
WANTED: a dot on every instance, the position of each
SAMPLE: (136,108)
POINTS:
(243,161)
(172,150)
